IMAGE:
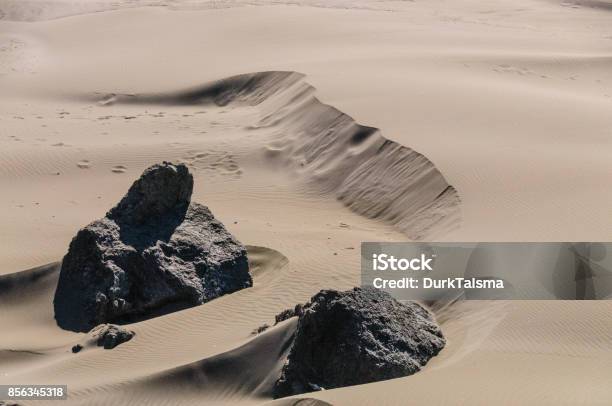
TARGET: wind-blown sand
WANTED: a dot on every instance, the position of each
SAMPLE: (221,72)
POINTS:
(374,120)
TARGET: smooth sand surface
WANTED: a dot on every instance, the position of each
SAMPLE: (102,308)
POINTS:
(498,118)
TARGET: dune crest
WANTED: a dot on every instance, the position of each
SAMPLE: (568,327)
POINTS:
(370,174)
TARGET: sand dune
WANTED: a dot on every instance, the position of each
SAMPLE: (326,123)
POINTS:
(249,370)
(483,340)
(507,103)
(370,174)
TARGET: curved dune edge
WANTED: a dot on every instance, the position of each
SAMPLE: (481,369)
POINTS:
(22,292)
(244,374)
(249,370)
(371,175)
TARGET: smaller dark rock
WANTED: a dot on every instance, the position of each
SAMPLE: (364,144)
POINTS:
(355,337)
(289,313)
(260,329)
(110,335)
(77,348)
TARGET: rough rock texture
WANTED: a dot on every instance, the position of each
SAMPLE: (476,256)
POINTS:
(298,310)
(152,253)
(356,337)
(110,335)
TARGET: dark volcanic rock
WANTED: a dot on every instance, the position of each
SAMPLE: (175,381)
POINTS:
(356,337)
(110,335)
(162,191)
(298,310)
(152,253)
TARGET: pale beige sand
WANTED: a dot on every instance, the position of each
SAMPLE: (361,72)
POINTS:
(510,101)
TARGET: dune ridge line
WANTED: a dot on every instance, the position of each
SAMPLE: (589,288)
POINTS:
(370,174)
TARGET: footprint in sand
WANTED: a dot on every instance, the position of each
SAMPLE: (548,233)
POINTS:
(218,162)
(108,99)
(571,5)
(84,164)
(118,169)
(505,68)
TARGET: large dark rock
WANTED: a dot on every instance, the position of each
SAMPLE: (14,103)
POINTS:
(153,253)
(356,337)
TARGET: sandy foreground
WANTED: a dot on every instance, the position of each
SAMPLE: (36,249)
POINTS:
(508,102)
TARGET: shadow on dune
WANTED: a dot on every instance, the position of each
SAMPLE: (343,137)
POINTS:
(31,282)
(252,88)
(250,370)
(596,4)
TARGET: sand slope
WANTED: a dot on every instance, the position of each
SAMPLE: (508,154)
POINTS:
(370,174)
(507,102)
